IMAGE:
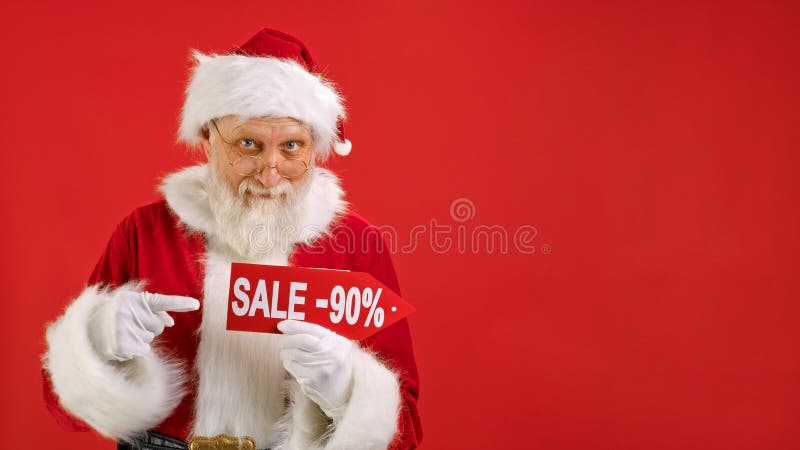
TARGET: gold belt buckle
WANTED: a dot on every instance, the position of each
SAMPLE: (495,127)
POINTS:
(222,442)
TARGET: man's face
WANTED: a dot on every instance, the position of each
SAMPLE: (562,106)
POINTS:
(235,146)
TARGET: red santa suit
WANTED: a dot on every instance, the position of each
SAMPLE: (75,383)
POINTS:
(203,380)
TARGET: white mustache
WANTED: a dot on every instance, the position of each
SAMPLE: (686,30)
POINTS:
(252,186)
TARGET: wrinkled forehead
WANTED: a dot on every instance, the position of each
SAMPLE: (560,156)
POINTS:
(266,127)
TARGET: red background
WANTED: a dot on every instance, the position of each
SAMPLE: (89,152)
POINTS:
(652,144)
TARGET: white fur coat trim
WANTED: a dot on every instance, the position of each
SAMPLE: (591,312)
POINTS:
(367,422)
(254,86)
(119,400)
(187,196)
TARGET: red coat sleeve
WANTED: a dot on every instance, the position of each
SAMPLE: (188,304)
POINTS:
(394,345)
(115,267)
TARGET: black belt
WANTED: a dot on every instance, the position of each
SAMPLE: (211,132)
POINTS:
(154,441)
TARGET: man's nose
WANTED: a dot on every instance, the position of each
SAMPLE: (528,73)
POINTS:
(270,177)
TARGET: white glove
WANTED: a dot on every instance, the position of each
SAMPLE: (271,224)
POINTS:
(321,361)
(124,326)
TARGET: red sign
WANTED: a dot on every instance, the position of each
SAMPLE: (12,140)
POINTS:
(352,304)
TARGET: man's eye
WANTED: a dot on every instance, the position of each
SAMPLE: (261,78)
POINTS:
(292,145)
(247,143)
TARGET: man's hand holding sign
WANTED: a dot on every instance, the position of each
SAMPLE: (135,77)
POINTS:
(321,362)
(319,311)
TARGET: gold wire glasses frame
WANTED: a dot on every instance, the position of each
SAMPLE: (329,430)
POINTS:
(249,165)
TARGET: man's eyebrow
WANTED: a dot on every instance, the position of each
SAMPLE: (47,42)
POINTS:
(293,137)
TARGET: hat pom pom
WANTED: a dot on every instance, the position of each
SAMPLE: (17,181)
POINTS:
(343,148)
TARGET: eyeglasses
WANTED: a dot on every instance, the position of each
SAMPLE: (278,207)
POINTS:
(250,165)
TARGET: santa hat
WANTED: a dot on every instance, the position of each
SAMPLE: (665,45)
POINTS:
(272,74)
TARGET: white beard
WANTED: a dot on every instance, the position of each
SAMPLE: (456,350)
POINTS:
(253,227)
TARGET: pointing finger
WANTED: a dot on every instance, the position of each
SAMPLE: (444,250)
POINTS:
(176,303)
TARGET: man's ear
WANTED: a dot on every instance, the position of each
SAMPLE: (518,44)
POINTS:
(206,143)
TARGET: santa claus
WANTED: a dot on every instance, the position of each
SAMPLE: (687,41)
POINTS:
(142,355)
